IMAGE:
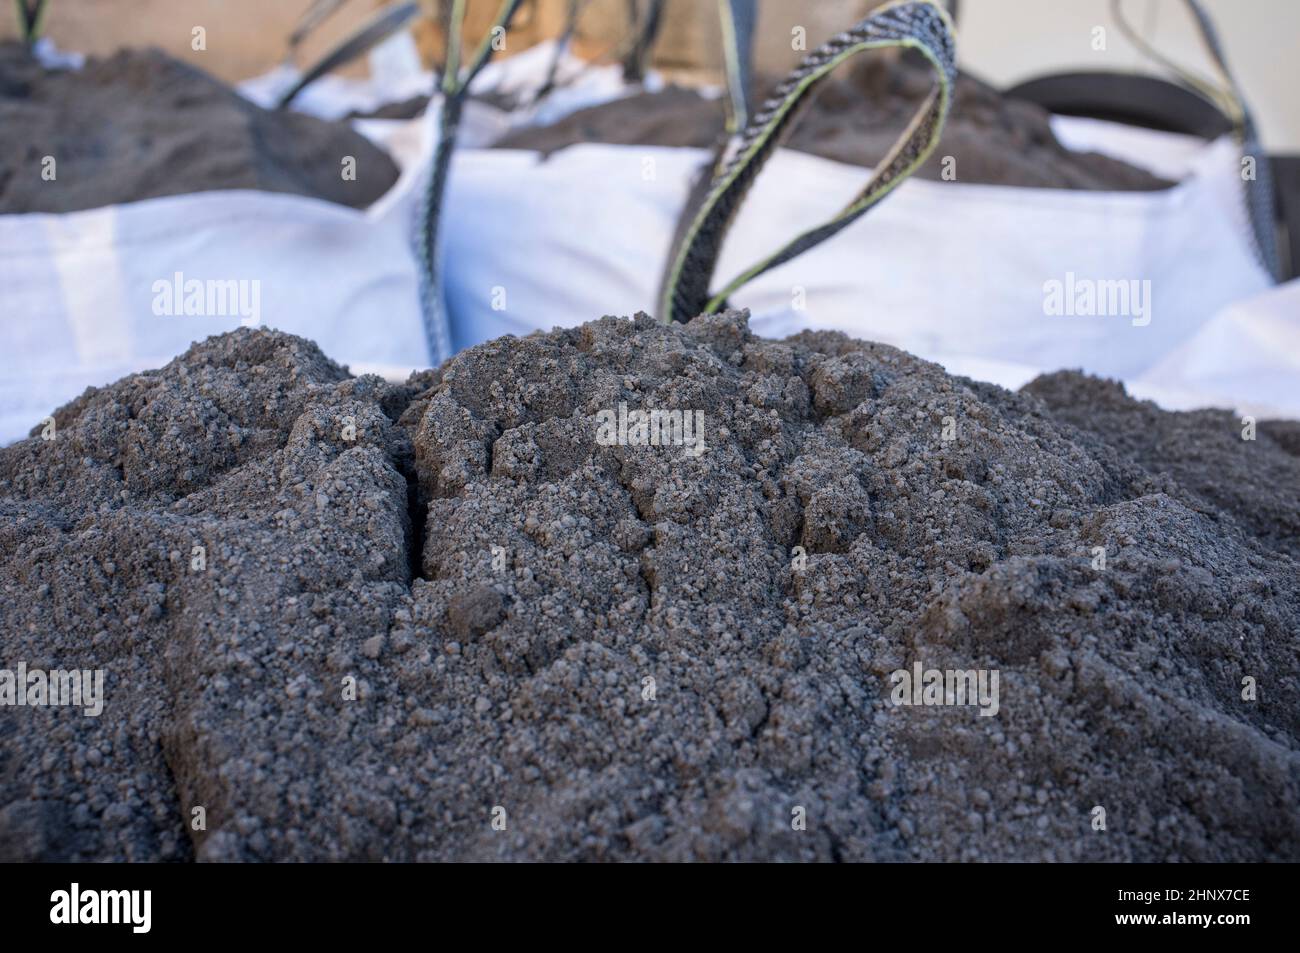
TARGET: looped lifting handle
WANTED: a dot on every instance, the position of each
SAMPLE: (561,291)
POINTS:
(918,24)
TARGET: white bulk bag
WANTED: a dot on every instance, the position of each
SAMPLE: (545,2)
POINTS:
(949,271)
(85,295)
(78,290)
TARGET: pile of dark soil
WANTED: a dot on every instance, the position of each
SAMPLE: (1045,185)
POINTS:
(139,125)
(616,651)
(856,118)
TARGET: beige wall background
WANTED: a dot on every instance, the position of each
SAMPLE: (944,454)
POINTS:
(244,37)
(1003,41)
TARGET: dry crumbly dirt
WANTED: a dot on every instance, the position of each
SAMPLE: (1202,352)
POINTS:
(139,125)
(522,686)
(856,119)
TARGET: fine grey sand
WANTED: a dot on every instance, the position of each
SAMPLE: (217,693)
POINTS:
(139,125)
(855,118)
(616,651)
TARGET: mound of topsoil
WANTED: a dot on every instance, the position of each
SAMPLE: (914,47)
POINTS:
(856,118)
(139,124)
(465,618)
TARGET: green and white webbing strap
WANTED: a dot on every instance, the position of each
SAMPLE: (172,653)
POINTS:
(644,31)
(455,88)
(738,19)
(919,24)
(317,13)
(31,14)
(383,24)
(572,11)
(1226,95)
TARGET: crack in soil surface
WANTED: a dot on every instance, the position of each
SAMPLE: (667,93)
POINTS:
(467,601)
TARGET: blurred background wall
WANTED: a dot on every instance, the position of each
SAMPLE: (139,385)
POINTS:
(1003,41)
